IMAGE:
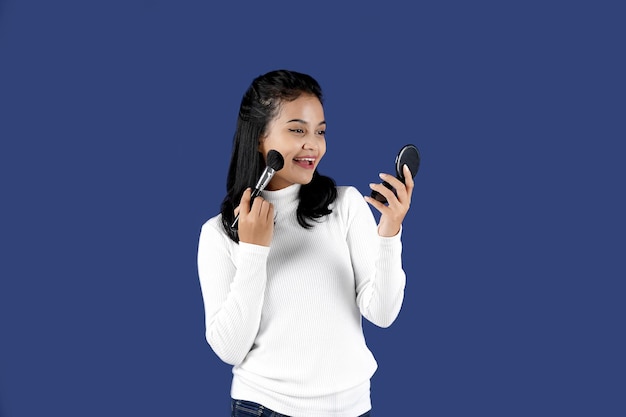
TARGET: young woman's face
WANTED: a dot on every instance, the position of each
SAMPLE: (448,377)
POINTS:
(298,133)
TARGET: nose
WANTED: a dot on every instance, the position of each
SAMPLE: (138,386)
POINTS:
(310,143)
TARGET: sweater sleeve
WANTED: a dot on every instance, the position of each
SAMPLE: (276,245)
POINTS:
(377,264)
(232,280)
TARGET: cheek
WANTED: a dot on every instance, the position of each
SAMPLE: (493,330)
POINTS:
(266,145)
(322,149)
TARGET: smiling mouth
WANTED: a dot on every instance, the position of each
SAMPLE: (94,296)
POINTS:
(305,161)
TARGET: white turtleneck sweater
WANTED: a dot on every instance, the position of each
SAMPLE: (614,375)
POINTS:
(288,316)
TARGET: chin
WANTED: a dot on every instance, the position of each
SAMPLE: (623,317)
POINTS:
(307,180)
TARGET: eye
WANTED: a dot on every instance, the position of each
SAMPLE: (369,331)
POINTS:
(299,131)
(321,132)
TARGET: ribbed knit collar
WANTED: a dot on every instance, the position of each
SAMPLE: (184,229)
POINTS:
(283,196)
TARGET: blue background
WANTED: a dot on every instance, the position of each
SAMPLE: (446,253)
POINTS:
(116,121)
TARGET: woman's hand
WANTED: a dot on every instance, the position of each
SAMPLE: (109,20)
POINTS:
(394,212)
(256,223)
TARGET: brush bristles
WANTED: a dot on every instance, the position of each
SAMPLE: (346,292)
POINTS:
(275,160)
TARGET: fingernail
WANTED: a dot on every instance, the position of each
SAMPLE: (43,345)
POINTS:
(381,175)
(372,185)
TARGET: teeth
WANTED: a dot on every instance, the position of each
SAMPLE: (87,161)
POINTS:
(305,159)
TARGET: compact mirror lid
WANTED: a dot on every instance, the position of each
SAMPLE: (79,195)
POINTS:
(409,155)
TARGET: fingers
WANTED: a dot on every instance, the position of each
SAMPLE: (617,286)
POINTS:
(256,220)
(409,182)
(384,189)
(244,204)
(403,190)
(398,203)
(375,203)
(262,209)
(259,207)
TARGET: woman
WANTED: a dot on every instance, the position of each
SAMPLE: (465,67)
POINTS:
(284,293)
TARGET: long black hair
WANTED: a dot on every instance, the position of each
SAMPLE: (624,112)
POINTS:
(259,105)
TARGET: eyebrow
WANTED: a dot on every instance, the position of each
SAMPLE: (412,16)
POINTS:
(323,122)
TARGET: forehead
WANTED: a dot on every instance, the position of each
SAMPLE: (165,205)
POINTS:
(306,107)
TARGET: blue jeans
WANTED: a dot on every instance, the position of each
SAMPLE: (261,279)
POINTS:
(241,408)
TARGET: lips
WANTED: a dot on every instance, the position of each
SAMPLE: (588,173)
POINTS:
(305,161)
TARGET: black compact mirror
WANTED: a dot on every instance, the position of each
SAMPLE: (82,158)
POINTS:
(409,155)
